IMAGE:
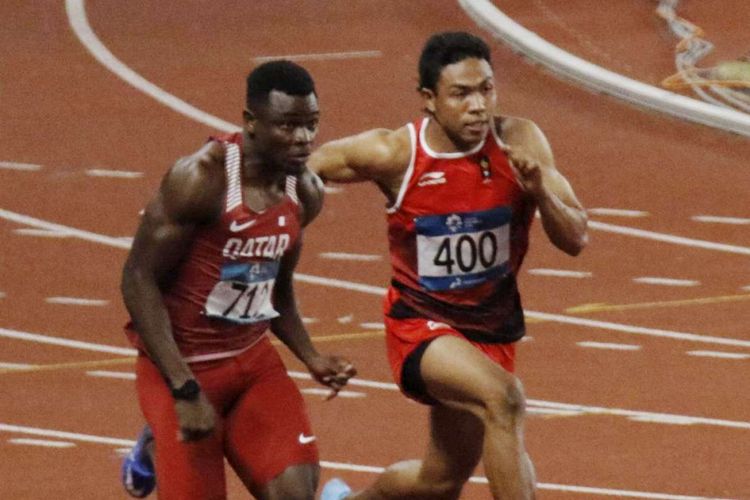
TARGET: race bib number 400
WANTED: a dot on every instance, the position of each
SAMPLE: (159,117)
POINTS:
(462,250)
(243,294)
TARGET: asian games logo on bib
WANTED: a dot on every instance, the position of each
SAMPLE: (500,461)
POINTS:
(454,222)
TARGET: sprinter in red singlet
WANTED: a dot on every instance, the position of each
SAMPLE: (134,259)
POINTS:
(462,185)
(209,273)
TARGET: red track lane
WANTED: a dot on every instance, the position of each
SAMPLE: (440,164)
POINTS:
(63,110)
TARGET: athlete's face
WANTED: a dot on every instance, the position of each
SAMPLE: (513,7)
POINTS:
(464,100)
(284,130)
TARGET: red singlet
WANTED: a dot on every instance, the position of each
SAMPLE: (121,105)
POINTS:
(458,233)
(220,300)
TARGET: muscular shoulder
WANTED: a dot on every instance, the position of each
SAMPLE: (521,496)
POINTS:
(390,149)
(192,190)
(525,134)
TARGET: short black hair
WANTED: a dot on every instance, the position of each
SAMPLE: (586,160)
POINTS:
(447,48)
(282,75)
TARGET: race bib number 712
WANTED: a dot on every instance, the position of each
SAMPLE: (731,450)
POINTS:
(243,294)
(462,250)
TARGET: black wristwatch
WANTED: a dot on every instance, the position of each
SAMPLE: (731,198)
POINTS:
(189,391)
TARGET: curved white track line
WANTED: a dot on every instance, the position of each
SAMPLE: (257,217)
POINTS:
(79,22)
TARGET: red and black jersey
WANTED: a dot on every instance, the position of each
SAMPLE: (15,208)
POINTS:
(458,233)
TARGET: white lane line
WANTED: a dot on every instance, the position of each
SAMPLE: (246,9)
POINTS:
(721,220)
(333,189)
(668,238)
(76,12)
(559,273)
(120,174)
(73,436)
(42,442)
(350,256)
(76,301)
(746,288)
(3,295)
(533,410)
(335,283)
(50,226)
(315,391)
(609,345)
(357,382)
(718,354)
(309,321)
(75,344)
(654,416)
(663,419)
(345,319)
(111,374)
(637,330)
(380,291)
(89,438)
(617,212)
(11,165)
(655,280)
(322,56)
(41,233)
(374,325)
(14,366)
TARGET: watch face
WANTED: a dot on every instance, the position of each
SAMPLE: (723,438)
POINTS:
(189,391)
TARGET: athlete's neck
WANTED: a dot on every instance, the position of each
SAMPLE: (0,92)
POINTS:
(440,141)
(255,169)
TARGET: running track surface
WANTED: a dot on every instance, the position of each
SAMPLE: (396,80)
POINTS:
(636,364)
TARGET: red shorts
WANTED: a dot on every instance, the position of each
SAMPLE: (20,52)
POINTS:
(406,340)
(262,425)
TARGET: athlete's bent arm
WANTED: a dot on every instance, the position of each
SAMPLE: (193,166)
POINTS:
(563,217)
(332,371)
(186,198)
(378,155)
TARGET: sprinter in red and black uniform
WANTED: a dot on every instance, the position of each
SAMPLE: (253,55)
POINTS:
(209,273)
(462,187)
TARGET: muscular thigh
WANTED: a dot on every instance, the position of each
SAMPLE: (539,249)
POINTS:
(192,470)
(268,430)
(459,375)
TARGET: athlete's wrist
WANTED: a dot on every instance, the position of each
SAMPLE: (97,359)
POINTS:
(190,390)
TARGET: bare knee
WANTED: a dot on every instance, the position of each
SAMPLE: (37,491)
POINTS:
(505,404)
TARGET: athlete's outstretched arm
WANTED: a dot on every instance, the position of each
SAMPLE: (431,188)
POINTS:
(378,155)
(563,217)
(186,198)
(332,371)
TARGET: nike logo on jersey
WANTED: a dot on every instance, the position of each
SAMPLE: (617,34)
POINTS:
(236,227)
(436,325)
(305,439)
(431,179)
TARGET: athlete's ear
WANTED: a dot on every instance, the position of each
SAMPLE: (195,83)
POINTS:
(249,119)
(428,96)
